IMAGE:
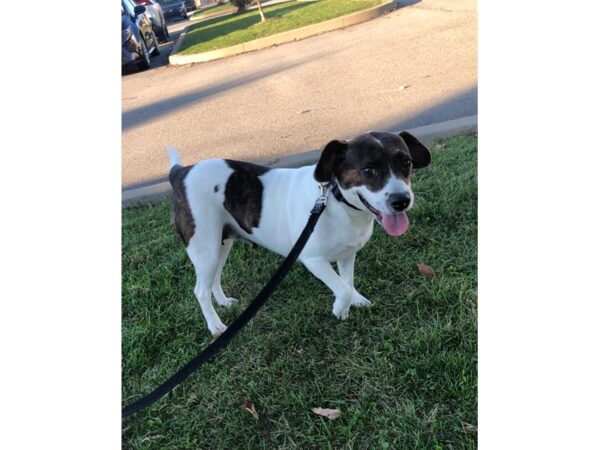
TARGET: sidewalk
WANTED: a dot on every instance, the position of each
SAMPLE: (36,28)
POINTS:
(154,190)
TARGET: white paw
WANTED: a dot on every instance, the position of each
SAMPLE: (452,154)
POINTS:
(217,330)
(358,300)
(340,310)
(227,301)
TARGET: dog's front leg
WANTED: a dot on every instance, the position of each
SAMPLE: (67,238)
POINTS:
(346,269)
(321,268)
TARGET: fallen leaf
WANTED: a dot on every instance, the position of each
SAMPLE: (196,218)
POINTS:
(426,270)
(249,406)
(329,413)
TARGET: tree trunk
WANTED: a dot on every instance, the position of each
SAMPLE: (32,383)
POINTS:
(262,15)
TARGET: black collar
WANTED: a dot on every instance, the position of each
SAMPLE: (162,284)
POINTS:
(335,190)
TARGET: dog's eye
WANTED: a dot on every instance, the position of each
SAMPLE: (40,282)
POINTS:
(406,163)
(368,172)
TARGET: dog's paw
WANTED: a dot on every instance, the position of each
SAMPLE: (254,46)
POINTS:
(341,311)
(217,330)
(227,301)
(359,301)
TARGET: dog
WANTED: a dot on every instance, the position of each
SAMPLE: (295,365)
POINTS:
(217,201)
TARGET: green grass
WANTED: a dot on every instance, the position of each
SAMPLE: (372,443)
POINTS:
(212,9)
(403,372)
(225,31)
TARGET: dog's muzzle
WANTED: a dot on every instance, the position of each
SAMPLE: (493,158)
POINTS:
(394,224)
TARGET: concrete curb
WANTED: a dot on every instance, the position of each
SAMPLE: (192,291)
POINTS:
(180,39)
(150,193)
(287,36)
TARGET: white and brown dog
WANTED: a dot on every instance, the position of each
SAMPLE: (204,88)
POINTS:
(217,201)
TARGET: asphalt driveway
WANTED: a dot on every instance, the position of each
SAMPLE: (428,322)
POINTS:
(411,67)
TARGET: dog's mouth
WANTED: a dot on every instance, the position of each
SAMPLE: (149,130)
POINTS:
(393,224)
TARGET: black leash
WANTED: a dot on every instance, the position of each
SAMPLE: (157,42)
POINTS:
(243,318)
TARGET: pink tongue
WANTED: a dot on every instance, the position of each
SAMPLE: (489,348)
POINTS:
(395,225)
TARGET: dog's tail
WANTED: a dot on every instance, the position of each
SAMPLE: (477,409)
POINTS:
(174,159)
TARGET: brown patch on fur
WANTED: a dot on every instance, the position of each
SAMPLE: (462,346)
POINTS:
(243,193)
(181,215)
(349,177)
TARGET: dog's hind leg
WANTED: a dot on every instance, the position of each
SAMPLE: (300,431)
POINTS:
(204,254)
(217,289)
(346,269)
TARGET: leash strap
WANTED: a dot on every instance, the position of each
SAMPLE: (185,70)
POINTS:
(243,318)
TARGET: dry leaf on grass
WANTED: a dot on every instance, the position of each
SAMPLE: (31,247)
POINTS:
(329,413)
(249,406)
(426,270)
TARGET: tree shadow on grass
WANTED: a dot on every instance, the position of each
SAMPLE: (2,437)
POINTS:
(220,27)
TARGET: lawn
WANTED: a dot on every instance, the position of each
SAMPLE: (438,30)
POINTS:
(233,29)
(403,372)
(212,10)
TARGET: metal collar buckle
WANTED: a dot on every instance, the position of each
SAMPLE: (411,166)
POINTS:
(322,200)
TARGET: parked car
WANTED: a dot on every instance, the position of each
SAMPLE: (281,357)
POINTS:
(155,14)
(192,5)
(173,9)
(138,41)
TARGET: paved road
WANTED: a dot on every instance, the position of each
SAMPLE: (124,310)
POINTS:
(412,67)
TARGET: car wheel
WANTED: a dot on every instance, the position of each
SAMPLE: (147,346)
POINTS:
(156,51)
(144,64)
(163,34)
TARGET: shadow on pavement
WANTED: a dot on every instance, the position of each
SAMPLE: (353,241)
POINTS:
(138,116)
(453,107)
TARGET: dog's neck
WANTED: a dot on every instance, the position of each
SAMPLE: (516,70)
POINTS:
(335,190)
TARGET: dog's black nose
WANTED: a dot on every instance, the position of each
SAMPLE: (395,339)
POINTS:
(399,202)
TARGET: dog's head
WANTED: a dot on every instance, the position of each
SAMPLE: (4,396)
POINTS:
(373,171)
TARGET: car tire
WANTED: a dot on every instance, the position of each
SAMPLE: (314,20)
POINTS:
(163,34)
(144,64)
(156,51)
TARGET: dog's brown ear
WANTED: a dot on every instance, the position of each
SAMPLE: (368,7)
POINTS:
(332,153)
(420,155)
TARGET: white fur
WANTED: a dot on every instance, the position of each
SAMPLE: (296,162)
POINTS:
(288,197)
(173,156)
(378,201)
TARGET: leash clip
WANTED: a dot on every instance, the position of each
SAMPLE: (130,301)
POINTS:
(322,200)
